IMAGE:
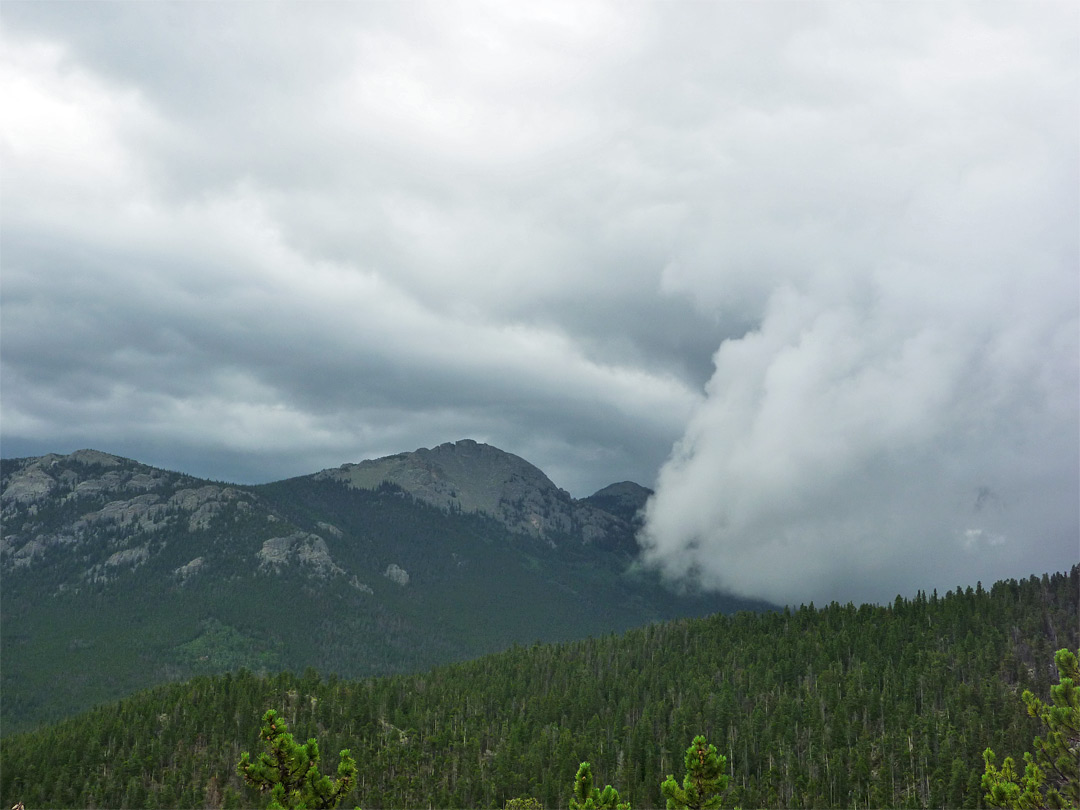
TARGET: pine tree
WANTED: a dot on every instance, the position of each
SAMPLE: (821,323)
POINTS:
(290,771)
(587,797)
(523,803)
(1052,777)
(705,780)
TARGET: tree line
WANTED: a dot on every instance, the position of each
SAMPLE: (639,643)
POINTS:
(837,706)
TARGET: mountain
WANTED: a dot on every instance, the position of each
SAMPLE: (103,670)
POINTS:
(625,500)
(471,477)
(117,575)
(839,706)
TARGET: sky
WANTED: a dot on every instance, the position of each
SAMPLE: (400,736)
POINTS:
(810,270)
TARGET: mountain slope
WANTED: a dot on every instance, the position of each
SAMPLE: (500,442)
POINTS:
(842,706)
(118,576)
(625,500)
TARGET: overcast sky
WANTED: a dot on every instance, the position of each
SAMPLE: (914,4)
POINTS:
(809,269)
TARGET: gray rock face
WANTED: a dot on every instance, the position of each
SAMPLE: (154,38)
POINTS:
(187,571)
(25,555)
(104,497)
(300,548)
(145,512)
(395,573)
(203,504)
(32,484)
(329,529)
(96,458)
(129,556)
(473,477)
(466,475)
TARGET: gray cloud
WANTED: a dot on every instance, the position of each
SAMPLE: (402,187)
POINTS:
(913,258)
(832,247)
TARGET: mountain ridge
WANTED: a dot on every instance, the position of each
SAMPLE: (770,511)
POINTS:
(474,477)
(129,575)
(464,475)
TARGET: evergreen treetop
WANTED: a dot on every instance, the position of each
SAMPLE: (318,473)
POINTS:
(704,783)
(290,770)
(1052,777)
(587,797)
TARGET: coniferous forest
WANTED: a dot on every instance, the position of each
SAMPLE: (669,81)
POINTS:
(834,706)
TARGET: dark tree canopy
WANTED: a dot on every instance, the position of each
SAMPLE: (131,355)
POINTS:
(834,706)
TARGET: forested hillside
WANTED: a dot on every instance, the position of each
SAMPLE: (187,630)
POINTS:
(118,576)
(839,706)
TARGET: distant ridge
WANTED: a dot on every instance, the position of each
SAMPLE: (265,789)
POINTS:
(117,575)
(469,476)
(624,499)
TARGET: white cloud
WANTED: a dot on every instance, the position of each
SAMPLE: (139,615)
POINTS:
(917,295)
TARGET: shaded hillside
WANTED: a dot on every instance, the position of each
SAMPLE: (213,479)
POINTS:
(625,500)
(118,576)
(840,706)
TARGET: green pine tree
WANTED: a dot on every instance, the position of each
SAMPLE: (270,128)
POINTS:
(1051,778)
(705,780)
(290,771)
(587,797)
(523,803)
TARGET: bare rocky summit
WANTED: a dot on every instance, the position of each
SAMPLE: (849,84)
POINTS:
(469,476)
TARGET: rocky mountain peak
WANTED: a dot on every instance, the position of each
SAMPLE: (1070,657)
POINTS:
(470,476)
(98,458)
(624,499)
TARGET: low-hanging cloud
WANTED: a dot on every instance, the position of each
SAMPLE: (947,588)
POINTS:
(845,453)
(905,410)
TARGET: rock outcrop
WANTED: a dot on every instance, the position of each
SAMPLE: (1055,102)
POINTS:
(107,505)
(395,573)
(308,551)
